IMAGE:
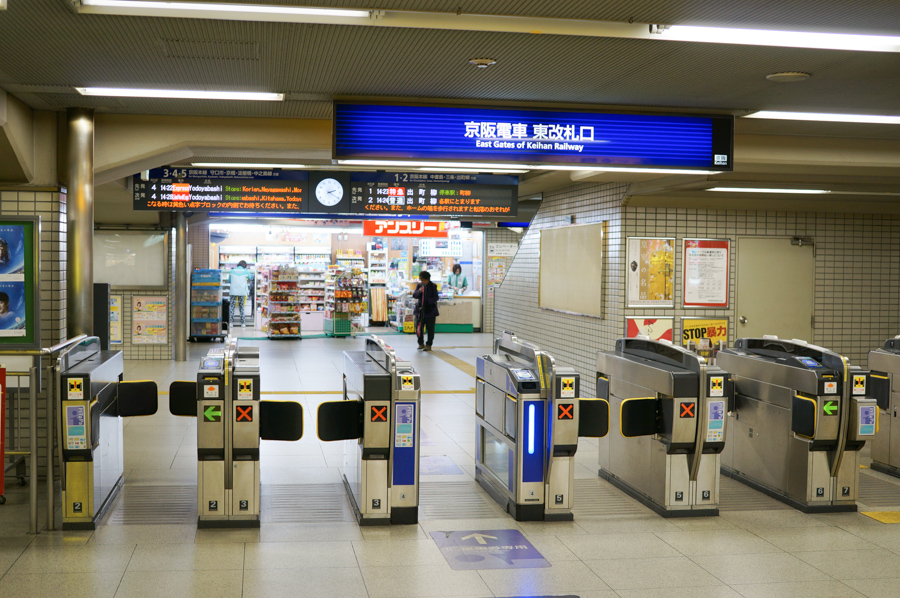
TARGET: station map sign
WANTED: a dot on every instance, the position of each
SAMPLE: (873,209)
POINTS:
(412,132)
(329,192)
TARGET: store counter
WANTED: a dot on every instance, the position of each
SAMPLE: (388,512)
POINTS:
(460,314)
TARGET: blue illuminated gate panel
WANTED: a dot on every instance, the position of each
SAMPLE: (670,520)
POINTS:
(405,444)
(533,442)
(377,131)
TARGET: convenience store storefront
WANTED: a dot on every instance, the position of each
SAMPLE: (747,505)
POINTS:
(310,276)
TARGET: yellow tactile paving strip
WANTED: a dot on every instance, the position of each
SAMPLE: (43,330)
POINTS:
(883,516)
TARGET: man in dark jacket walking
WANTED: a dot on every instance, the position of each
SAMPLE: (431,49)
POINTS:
(426,296)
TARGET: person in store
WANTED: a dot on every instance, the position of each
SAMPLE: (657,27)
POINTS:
(238,289)
(426,296)
(458,281)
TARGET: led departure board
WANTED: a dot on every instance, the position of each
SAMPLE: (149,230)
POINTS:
(434,194)
(234,190)
(326,192)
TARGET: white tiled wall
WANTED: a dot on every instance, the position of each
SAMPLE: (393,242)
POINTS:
(857,259)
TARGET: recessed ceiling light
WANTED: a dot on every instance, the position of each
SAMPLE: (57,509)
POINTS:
(784,39)
(221,7)
(788,77)
(127,92)
(482,63)
(762,190)
(827,117)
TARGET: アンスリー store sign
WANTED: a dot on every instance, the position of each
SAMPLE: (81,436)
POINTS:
(400,132)
(327,192)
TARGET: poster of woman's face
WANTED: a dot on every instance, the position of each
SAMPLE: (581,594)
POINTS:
(12,308)
(12,250)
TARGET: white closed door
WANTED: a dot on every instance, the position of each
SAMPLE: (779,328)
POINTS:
(775,286)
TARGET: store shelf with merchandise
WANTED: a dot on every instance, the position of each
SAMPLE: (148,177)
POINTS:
(346,299)
(283,305)
(206,305)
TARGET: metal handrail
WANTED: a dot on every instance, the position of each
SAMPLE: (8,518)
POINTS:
(33,390)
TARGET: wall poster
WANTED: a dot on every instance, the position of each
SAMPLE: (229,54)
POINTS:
(149,320)
(706,268)
(650,272)
(496,272)
(706,332)
(19,276)
(115,319)
(655,328)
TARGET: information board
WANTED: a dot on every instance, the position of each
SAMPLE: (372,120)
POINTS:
(20,324)
(410,132)
(329,192)
(706,269)
(149,320)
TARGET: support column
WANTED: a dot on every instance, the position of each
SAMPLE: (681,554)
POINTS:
(181,287)
(80,223)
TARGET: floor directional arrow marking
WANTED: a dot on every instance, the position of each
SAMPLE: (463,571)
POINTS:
(479,537)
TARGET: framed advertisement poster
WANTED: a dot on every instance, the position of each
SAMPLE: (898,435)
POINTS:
(706,269)
(650,272)
(20,273)
(149,320)
(706,332)
(655,328)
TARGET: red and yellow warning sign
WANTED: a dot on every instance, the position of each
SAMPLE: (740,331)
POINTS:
(407,383)
(567,388)
(716,386)
(859,384)
(76,389)
(245,390)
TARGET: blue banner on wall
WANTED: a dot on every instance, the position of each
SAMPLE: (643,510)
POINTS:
(396,132)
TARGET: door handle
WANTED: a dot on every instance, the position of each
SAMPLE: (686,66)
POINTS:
(742,320)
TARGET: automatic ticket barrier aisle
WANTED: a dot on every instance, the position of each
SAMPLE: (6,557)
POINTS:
(380,410)
(528,418)
(884,383)
(93,400)
(669,406)
(801,416)
(231,420)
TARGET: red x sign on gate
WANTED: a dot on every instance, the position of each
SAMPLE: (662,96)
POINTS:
(244,413)
(379,414)
(565,411)
(687,410)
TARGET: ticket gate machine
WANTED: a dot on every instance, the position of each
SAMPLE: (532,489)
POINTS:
(669,406)
(884,386)
(231,420)
(380,410)
(528,417)
(93,400)
(801,417)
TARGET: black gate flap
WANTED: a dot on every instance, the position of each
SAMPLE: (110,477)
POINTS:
(638,417)
(803,416)
(880,390)
(183,398)
(280,420)
(593,418)
(340,420)
(137,398)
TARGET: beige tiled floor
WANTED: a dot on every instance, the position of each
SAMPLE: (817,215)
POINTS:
(749,554)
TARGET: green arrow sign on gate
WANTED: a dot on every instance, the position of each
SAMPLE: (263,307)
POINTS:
(830,407)
(212,414)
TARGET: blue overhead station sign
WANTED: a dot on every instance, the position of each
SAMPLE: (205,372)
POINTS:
(400,132)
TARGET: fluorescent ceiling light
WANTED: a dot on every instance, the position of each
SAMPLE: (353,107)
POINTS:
(827,117)
(127,92)
(785,39)
(230,8)
(481,167)
(761,190)
(474,170)
(247,165)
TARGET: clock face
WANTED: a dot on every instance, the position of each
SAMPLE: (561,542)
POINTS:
(329,192)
